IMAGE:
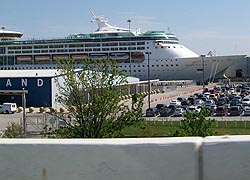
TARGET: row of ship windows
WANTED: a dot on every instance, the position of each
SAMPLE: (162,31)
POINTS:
(77,50)
(79,45)
(152,65)
(138,70)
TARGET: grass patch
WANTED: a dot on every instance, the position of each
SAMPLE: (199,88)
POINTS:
(166,129)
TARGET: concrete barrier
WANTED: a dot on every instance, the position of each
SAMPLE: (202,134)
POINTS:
(226,158)
(211,158)
(106,159)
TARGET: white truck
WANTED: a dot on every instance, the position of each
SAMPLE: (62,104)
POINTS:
(8,108)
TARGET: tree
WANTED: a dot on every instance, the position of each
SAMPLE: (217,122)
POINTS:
(13,130)
(196,124)
(92,97)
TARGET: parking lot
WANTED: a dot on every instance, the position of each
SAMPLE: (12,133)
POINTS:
(225,102)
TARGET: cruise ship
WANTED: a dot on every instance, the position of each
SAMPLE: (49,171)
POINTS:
(145,55)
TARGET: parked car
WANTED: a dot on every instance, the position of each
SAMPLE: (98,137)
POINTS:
(151,112)
(246,101)
(235,111)
(198,102)
(175,103)
(160,106)
(166,112)
(179,112)
(181,99)
(193,109)
(221,111)
(191,100)
(247,111)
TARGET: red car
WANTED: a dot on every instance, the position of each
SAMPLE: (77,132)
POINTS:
(221,111)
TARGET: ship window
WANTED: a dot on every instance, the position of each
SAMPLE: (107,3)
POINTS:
(44,51)
(110,44)
(105,49)
(122,48)
(88,49)
(140,43)
(15,47)
(51,50)
(76,45)
(132,48)
(56,46)
(177,65)
(140,48)
(61,50)
(72,50)
(114,49)
(92,45)
(26,47)
(172,65)
(96,49)
(124,44)
(40,47)
(153,66)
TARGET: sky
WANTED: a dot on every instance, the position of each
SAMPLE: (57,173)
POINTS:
(220,26)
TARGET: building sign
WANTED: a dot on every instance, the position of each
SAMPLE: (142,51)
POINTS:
(24,82)
(39,90)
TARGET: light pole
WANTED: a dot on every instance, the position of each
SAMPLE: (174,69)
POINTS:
(203,71)
(129,21)
(149,86)
(3,28)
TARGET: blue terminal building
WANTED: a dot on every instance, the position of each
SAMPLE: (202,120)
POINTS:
(39,85)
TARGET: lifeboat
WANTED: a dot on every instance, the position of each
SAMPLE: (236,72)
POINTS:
(79,56)
(137,56)
(119,56)
(24,59)
(60,56)
(57,57)
(42,57)
(98,56)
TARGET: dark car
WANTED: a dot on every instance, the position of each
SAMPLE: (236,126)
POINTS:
(151,112)
(221,111)
(160,106)
(191,100)
(235,111)
(165,112)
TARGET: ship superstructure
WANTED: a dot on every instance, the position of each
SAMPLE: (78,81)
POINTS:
(137,53)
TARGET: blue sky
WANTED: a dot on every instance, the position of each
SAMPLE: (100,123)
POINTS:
(221,26)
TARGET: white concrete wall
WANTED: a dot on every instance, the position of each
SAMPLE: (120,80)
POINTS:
(211,158)
(226,158)
(105,159)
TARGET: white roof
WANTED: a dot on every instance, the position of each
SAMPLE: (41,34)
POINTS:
(28,73)
(9,32)
(42,73)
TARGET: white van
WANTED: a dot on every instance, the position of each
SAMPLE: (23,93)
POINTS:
(8,108)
